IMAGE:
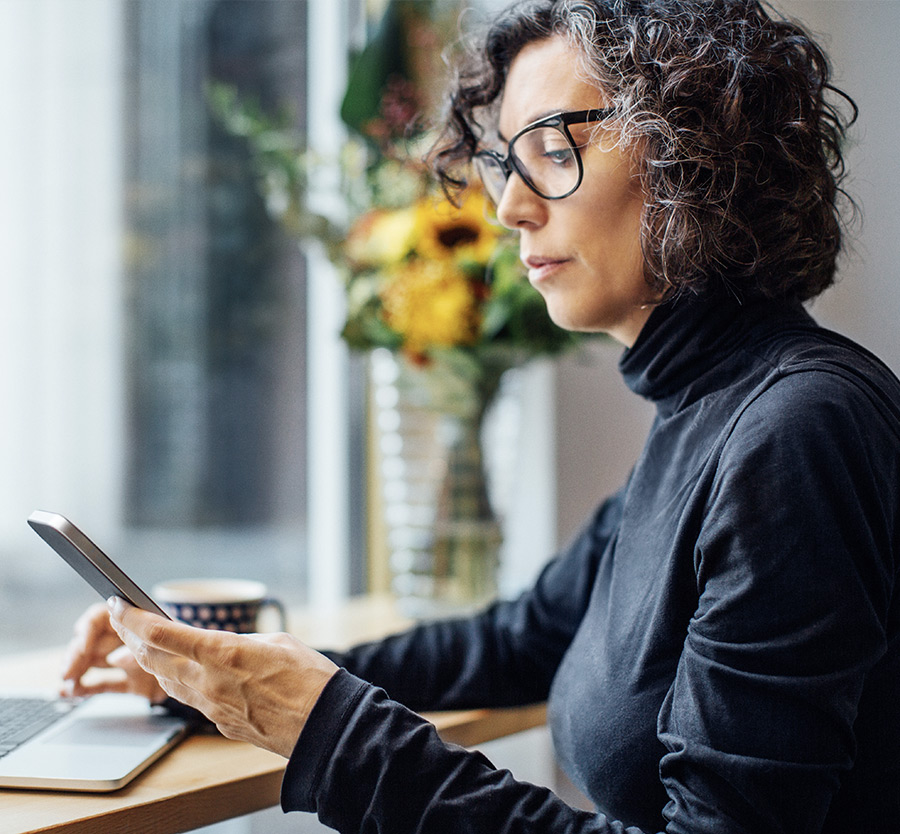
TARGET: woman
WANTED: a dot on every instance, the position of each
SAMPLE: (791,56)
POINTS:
(720,647)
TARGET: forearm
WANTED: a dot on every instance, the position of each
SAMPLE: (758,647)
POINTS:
(364,762)
(454,664)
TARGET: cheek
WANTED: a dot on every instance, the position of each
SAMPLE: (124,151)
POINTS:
(632,251)
(611,204)
(613,239)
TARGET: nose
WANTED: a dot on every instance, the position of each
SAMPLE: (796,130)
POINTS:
(519,206)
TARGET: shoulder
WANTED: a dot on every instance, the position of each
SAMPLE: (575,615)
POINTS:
(820,384)
(826,416)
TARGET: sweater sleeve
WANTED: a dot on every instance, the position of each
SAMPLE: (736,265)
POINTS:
(795,573)
(367,763)
(506,656)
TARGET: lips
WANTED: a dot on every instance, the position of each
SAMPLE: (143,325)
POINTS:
(541,267)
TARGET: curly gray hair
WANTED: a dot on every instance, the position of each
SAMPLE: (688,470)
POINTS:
(732,113)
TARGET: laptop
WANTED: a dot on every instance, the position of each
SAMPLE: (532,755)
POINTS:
(99,743)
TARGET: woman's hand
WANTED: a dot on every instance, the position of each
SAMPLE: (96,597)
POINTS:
(95,644)
(259,688)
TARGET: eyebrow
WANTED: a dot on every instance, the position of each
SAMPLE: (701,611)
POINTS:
(531,121)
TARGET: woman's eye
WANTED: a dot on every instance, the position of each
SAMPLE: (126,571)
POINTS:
(552,147)
(558,156)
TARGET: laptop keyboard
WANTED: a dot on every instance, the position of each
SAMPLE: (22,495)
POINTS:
(22,718)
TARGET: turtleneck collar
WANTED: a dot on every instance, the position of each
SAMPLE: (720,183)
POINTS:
(686,340)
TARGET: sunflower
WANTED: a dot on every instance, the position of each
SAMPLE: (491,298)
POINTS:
(430,304)
(382,237)
(464,233)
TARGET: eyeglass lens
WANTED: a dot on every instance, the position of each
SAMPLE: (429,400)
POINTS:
(542,156)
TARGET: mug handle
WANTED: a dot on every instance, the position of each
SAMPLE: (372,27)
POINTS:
(272,602)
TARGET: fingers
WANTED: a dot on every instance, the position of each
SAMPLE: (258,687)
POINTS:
(257,688)
(166,649)
(92,640)
(155,631)
(76,689)
(95,644)
(137,681)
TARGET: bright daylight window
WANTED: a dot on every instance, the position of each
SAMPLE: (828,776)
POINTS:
(153,347)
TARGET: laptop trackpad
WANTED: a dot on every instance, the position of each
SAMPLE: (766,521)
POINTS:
(116,731)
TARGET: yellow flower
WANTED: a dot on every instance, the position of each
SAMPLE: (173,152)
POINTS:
(444,231)
(381,237)
(430,304)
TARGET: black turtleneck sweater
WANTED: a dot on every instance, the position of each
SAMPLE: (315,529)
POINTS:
(720,646)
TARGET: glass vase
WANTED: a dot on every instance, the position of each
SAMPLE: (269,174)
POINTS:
(443,532)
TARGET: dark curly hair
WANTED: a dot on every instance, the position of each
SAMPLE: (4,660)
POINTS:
(731,110)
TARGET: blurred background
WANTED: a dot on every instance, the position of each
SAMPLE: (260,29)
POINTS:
(171,374)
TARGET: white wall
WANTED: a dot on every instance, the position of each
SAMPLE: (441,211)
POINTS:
(60,373)
(327,509)
(600,425)
(861,37)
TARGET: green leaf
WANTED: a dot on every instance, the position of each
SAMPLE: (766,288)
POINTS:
(383,56)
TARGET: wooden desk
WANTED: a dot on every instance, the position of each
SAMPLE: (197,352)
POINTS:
(207,779)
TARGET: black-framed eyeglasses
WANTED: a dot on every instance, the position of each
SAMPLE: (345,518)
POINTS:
(543,154)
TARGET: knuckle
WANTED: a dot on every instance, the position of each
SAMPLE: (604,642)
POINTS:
(156,633)
(227,730)
(223,655)
(284,639)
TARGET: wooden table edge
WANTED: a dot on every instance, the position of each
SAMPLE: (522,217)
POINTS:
(205,804)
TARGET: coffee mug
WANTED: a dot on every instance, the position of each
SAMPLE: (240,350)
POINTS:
(220,604)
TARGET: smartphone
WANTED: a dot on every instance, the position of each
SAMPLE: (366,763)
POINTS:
(95,567)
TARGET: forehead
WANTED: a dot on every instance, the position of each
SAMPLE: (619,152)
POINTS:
(542,79)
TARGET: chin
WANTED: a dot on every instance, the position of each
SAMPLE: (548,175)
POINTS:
(573,320)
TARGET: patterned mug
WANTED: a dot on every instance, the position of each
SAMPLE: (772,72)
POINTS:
(221,604)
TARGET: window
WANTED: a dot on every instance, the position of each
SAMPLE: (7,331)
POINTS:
(154,358)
